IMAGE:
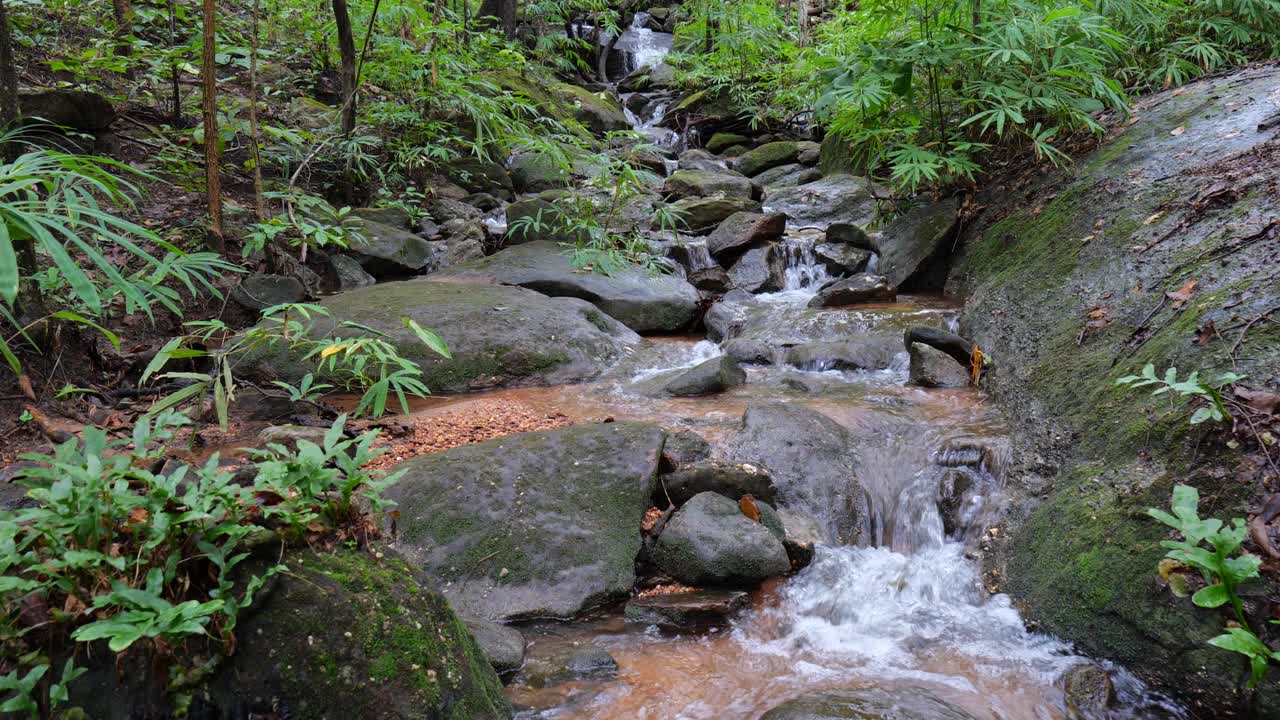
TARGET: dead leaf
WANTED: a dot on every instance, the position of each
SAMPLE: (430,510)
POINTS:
(747,504)
(1205,333)
(137,516)
(24,384)
(1259,400)
(1152,219)
(1182,294)
(1177,131)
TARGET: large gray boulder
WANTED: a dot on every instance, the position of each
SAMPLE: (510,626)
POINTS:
(503,645)
(498,335)
(866,352)
(701,215)
(868,704)
(640,300)
(785,176)
(707,183)
(702,160)
(861,288)
(260,291)
(841,258)
(742,230)
(601,112)
(708,541)
(833,199)
(537,218)
(812,461)
(533,172)
(770,155)
(387,251)
(913,244)
(706,378)
(543,524)
(759,269)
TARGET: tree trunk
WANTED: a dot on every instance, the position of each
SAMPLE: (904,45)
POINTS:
(960,349)
(255,134)
(173,64)
(212,155)
(8,82)
(124,26)
(347,51)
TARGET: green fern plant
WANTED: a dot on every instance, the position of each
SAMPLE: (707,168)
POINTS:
(1210,391)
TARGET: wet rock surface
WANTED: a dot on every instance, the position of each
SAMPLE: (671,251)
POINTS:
(686,610)
(709,541)
(712,376)
(731,480)
(502,645)
(543,524)
(861,288)
(832,199)
(868,704)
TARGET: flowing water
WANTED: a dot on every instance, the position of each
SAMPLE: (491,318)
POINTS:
(908,609)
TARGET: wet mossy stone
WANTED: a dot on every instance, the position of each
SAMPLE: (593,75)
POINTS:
(498,335)
(743,230)
(770,155)
(812,460)
(724,140)
(543,524)
(476,175)
(914,247)
(731,480)
(821,203)
(396,217)
(260,291)
(709,541)
(388,251)
(868,704)
(344,635)
(503,645)
(785,176)
(1082,560)
(640,300)
(701,215)
(599,111)
(707,377)
(533,172)
(706,183)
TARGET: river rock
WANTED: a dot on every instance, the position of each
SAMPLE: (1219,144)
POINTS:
(704,183)
(643,302)
(546,222)
(913,246)
(686,610)
(759,270)
(833,199)
(810,153)
(444,209)
(592,661)
(868,352)
(706,378)
(702,160)
(396,217)
(841,258)
(708,541)
(498,335)
(743,230)
(289,435)
(476,175)
(647,78)
(847,234)
(260,291)
(1089,690)
(868,704)
(542,524)
(385,251)
(770,155)
(784,176)
(722,141)
(935,369)
(601,112)
(812,461)
(533,172)
(463,240)
(335,637)
(751,351)
(683,448)
(801,536)
(701,215)
(728,479)
(861,288)
(502,644)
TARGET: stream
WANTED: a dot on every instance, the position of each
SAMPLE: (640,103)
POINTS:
(908,609)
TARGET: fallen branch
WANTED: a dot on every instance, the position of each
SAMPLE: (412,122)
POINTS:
(960,349)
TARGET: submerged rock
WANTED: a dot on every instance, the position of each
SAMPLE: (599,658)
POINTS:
(498,335)
(861,288)
(868,704)
(708,541)
(913,246)
(686,610)
(833,199)
(708,377)
(542,524)
(592,662)
(641,301)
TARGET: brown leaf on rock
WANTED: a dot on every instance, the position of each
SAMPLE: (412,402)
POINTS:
(1183,294)
(747,504)
(1205,333)
(1261,401)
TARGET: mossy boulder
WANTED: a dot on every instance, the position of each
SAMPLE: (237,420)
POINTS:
(1092,457)
(311,114)
(498,335)
(769,155)
(707,183)
(702,215)
(868,704)
(533,172)
(599,111)
(636,298)
(722,141)
(543,524)
(390,251)
(785,176)
(476,175)
(534,219)
(709,541)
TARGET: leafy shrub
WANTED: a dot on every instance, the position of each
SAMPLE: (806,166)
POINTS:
(125,548)
(1213,549)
